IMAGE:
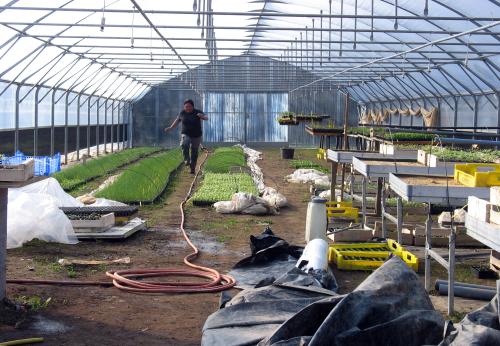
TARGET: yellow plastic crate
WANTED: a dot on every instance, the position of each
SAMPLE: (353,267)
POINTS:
(368,256)
(339,204)
(343,212)
(477,174)
(322,154)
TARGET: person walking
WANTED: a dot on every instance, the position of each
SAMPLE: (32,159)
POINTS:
(191,132)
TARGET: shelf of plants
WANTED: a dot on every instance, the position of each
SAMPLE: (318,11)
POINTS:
(322,130)
(79,174)
(218,187)
(144,181)
(457,155)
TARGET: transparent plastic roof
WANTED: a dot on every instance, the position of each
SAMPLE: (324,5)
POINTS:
(378,49)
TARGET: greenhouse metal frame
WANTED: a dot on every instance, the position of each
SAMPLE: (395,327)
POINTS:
(105,56)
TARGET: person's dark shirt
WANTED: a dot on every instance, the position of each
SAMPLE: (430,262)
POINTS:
(191,123)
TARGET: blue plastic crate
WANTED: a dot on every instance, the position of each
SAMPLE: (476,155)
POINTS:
(44,165)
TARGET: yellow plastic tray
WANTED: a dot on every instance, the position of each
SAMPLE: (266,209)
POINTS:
(343,204)
(477,174)
(368,256)
(343,212)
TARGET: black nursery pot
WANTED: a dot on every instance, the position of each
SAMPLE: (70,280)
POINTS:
(287,153)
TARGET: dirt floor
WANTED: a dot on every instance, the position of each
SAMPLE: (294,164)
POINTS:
(107,316)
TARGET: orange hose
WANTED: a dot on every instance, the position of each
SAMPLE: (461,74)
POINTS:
(126,279)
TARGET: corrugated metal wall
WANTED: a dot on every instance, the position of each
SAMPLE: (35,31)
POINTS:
(244,117)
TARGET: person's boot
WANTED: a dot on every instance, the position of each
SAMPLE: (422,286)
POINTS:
(192,169)
(186,163)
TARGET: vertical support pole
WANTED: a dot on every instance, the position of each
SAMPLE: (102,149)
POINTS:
(476,106)
(345,144)
(117,134)
(451,270)
(428,246)
(88,126)
(342,183)
(35,131)
(16,119)
(52,121)
(382,210)
(106,126)
(66,109)
(97,139)
(112,125)
(78,127)
(352,180)
(333,182)
(363,202)
(123,126)
(129,126)
(400,219)
(3,240)
(378,198)
(157,115)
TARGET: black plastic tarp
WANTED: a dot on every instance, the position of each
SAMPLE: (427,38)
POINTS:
(390,307)
(480,327)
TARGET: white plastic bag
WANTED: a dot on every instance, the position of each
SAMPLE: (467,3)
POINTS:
(242,200)
(224,207)
(50,186)
(274,198)
(256,209)
(35,215)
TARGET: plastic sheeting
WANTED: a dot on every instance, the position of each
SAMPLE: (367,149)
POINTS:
(306,175)
(36,216)
(390,307)
(480,327)
(33,213)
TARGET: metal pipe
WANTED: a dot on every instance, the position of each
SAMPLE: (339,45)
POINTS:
(468,292)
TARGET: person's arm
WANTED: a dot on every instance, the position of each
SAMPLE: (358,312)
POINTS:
(202,115)
(174,124)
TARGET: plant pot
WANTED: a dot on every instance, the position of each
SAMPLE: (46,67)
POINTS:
(287,153)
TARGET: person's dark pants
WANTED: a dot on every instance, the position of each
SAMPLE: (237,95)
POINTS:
(192,143)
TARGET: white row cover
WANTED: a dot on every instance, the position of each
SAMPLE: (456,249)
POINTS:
(109,48)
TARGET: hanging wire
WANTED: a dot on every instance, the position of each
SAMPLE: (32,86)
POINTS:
(195,6)
(151,43)
(426,8)
(341,25)
(466,61)
(355,23)
(371,33)
(103,19)
(312,55)
(132,35)
(330,32)
(396,14)
(321,40)
(203,20)
(162,55)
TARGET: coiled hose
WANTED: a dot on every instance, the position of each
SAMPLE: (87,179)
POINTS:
(128,280)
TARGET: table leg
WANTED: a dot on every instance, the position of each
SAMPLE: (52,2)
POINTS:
(3,240)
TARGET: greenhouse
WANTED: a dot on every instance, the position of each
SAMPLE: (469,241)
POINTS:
(262,172)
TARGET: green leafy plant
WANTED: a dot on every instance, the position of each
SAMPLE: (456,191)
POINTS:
(145,180)
(224,159)
(79,174)
(33,303)
(456,155)
(221,187)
